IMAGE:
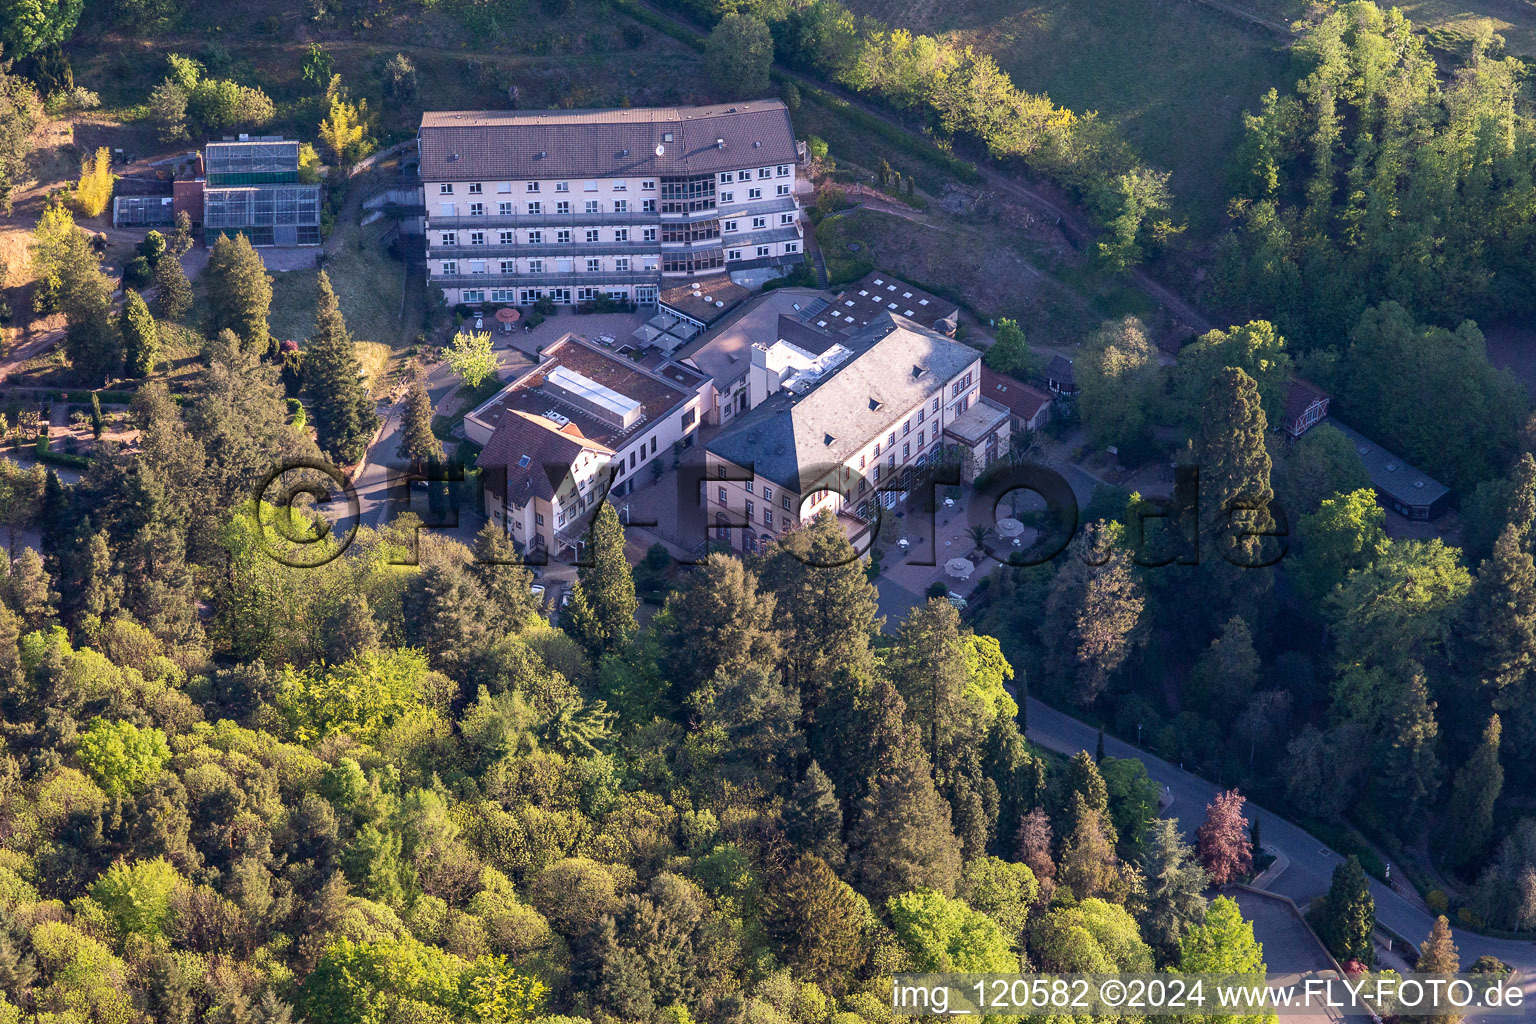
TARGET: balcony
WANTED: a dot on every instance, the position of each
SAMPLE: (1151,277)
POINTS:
(596,279)
(544,250)
(540,220)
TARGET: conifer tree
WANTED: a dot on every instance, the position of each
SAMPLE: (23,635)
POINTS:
(828,614)
(173,291)
(1175,900)
(1348,914)
(339,405)
(417,442)
(1089,866)
(141,338)
(601,615)
(1469,824)
(721,622)
(1235,492)
(901,839)
(816,920)
(350,631)
(1438,955)
(1498,633)
(506,581)
(929,669)
(240,292)
(1092,616)
(813,820)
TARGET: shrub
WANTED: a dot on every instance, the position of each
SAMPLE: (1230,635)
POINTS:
(938,588)
(137,273)
(1437,901)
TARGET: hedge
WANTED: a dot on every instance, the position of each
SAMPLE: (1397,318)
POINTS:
(666,26)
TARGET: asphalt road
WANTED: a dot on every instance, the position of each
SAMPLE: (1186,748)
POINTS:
(1311,862)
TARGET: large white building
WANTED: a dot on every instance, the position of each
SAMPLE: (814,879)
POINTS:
(577,204)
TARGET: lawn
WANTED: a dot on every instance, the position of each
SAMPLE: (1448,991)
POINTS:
(998,272)
(1174,75)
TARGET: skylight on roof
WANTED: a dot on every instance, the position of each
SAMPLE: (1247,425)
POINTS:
(878,282)
(522,463)
(848,303)
(828,439)
(863,291)
(906,295)
(922,302)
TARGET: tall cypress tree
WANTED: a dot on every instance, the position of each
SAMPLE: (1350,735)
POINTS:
(1235,494)
(1499,617)
(901,838)
(339,405)
(417,442)
(929,669)
(173,292)
(141,338)
(1476,789)
(240,292)
(722,621)
(601,616)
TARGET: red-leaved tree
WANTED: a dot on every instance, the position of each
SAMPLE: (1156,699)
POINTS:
(1222,840)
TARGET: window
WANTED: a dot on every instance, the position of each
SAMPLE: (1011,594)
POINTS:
(653,446)
(767,518)
(763,172)
(890,442)
(448,210)
(535,208)
(754,193)
(450,266)
(450,238)
(477,238)
(589,186)
(935,405)
(782,190)
(509,266)
(786,218)
(748,485)
(562,236)
(782,170)
(445,189)
(621,234)
(720,472)
(533,186)
(729,225)
(563,207)
(721,489)
(648,235)
(622,263)
(594,266)
(767,493)
(890,460)
(503,187)
(920,441)
(474,295)
(733,255)
(906,428)
(504,209)
(689,418)
(621,186)
(762,250)
(477,209)
(906,450)
(535,238)
(727,197)
(535,266)
(758,223)
(477,266)
(586,295)
(621,206)
(538,517)
(591,234)
(726,177)
(562,186)
(648,206)
(593,206)
(791,247)
(744,176)
(506,238)
(920,414)
(647,186)
(474,188)
(751,509)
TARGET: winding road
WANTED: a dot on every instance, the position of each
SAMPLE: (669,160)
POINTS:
(1311,865)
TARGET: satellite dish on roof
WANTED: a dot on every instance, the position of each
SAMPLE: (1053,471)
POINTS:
(660,149)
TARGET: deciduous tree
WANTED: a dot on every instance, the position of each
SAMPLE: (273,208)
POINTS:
(1222,839)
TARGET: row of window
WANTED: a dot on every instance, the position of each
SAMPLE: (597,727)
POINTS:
(591,265)
(560,236)
(476,188)
(781,171)
(645,295)
(535,207)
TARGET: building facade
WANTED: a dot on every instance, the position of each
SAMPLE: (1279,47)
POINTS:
(577,205)
(852,434)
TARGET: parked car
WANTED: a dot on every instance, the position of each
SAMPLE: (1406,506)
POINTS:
(959,602)
(538,592)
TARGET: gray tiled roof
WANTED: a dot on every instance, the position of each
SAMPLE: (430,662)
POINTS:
(1393,476)
(531,449)
(790,438)
(486,145)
